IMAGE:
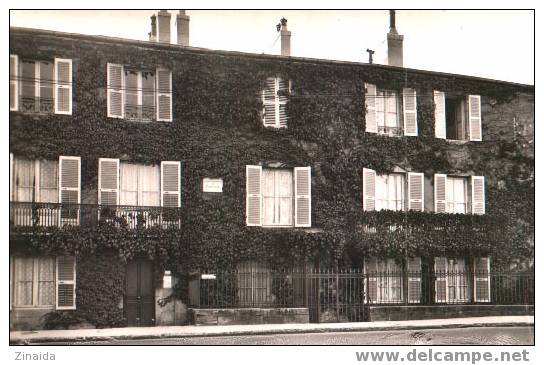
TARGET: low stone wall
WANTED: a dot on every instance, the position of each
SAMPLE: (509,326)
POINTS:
(414,312)
(209,317)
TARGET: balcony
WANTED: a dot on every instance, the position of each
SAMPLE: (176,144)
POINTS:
(31,215)
(36,105)
(390,131)
(139,113)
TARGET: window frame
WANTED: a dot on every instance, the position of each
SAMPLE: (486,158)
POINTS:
(404,200)
(139,95)
(35,284)
(465,122)
(382,129)
(467,193)
(277,198)
(37,85)
(277,102)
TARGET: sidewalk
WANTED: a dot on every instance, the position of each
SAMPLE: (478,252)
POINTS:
(107,334)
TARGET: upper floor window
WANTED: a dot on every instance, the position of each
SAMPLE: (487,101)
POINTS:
(275,96)
(387,113)
(392,191)
(40,86)
(457,117)
(139,95)
(278,197)
(455,194)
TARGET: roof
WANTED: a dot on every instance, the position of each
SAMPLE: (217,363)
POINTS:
(171,46)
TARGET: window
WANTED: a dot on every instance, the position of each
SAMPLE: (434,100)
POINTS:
(390,192)
(139,95)
(275,96)
(254,284)
(140,185)
(41,86)
(387,113)
(456,200)
(384,280)
(381,192)
(458,117)
(43,282)
(277,197)
(452,280)
(454,194)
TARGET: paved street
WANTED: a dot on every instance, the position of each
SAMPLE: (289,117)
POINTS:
(457,336)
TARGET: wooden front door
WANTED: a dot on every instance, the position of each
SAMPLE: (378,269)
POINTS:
(139,294)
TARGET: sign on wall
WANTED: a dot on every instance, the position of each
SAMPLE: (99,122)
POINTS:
(212,185)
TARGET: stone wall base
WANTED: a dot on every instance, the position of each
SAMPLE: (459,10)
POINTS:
(233,316)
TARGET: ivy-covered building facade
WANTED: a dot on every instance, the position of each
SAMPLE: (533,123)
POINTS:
(140,169)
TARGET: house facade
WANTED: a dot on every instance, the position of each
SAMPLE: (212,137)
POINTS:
(138,170)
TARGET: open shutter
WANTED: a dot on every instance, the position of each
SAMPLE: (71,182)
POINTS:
(371,119)
(478,194)
(481,280)
(63,86)
(69,188)
(253,195)
(415,191)
(269,102)
(371,280)
(13,82)
(410,112)
(303,197)
(440,114)
(414,279)
(475,117)
(440,283)
(283,90)
(66,283)
(108,181)
(170,183)
(11,182)
(116,95)
(369,189)
(440,186)
(164,95)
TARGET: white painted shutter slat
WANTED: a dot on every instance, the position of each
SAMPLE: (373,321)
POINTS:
(253,195)
(440,114)
(440,284)
(371,119)
(475,117)
(13,82)
(410,112)
(369,189)
(63,86)
(482,288)
(283,90)
(108,181)
(164,95)
(414,279)
(303,197)
(66,283)
(478,194)
(415,191)
(371,280)
(269,102)
(440,194)
(170,184)
(69,188)
(116,94)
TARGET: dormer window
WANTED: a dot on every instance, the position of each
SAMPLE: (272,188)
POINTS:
(275,96)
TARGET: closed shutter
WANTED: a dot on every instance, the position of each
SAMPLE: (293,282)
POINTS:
(478,194)
(303,197)
(13,82)
(475,117)
(440,114)
(414,279)
(63,86)
(410,112)
(108,181)
(283,90)
(116,95)
(164,95)
(170,183)
(253,195)
(69,188)
(440,186)
(415,191)
(11,182)
(440,283)
(371,119)
(369,189)
(371,280)
(66,283)
(481,280)
(269,102)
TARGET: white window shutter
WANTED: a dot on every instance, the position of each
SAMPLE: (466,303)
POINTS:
(69,188)
(482,284)
(410,112)
(11,182)
(270,94)
(371,280)
(170,184)
(63,86)
(440,283)
(369,189)
(164,95)
(371,119)
(13,82)
(116,94)
(440,194)
(478,194)
(475,117)
(303,197)
(254,195)
(414,279)
(416,196)
(66,283)
(283,90)
(108,181)
(440,114)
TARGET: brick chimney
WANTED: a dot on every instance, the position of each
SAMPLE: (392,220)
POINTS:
(153,33)
(394,43)
(285,38)
(163,20)
(182,23)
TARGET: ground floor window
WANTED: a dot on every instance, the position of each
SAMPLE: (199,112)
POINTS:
(451,280)
(384,280)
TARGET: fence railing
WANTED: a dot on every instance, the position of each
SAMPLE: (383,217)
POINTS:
(36,105)
(139,113)
(23,214)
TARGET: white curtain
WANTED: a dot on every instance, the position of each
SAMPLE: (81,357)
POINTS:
(129,184)
(48,191)
(46,281)
(390,192)
(457,192)
(277,197)
(23,180)
(140,185)
(24,274)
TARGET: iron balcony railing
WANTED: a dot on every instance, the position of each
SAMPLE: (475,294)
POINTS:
(23,214)
(390,131)
(36,105)
(139,113)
